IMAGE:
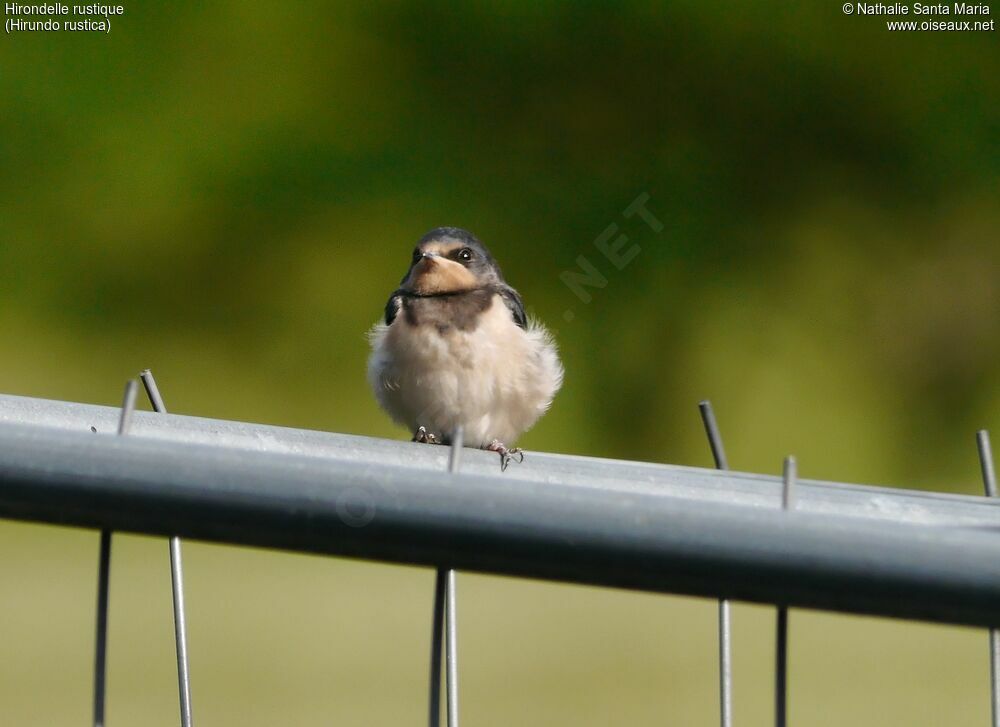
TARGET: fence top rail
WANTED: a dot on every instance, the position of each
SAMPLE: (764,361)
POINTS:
(702,485)
(625,524)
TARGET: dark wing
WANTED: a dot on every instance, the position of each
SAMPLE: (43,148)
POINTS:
(513,301)
(392,307)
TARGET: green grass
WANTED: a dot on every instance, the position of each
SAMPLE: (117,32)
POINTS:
(277,638)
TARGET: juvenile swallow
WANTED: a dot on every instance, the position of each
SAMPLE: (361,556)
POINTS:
(456,349)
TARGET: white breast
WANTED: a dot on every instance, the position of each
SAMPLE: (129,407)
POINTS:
(495,380)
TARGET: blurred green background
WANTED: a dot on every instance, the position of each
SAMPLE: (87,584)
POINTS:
(227,192)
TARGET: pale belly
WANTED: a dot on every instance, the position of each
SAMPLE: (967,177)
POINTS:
(495,381)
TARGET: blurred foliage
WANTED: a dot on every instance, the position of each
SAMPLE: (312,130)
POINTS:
(227,192)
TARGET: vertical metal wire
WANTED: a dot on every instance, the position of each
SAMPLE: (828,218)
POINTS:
(101,644)
(725,665)
(177,581)
(725,626)
(990,485)
(781,647)
(445,624)
(451,641)
(781,670)
(437,640)
(104,583)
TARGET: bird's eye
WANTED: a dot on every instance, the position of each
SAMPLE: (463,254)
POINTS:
(416,254)
(465,254)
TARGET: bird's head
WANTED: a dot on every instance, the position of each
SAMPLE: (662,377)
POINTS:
(450,260)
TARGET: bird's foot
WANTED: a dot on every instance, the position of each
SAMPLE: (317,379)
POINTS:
(425,437)
(507,454)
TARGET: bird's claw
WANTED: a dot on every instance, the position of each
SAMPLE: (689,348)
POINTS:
(425,437)
(507,454)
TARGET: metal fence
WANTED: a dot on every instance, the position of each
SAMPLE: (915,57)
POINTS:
(684,530)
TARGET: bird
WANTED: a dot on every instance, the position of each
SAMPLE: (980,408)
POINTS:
(455,348)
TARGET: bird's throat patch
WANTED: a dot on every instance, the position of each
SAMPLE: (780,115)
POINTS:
(448,313)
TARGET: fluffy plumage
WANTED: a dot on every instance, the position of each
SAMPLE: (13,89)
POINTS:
(456,348)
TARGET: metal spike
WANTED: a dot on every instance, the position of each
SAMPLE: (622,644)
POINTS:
(128,407)
(986,462)
(714,438)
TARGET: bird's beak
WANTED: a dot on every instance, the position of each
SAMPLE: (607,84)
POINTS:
(434,273)
(427,260)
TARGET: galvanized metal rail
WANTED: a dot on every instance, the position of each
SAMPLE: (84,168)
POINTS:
(623,524)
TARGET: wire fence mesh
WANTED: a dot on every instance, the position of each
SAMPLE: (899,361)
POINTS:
(661,528)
